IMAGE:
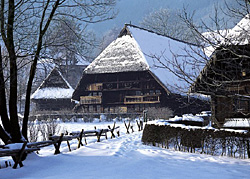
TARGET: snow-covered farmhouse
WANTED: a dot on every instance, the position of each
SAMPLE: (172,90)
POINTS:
(126,78)
(55,92)
(226,78)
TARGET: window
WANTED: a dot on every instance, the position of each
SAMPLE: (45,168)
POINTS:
(91,100)
(142,99)
(111,109)
(94,87)
(91,109)
(137,108)
(242,106)
(138,93)
(122,109)
(157,91)
(98,108)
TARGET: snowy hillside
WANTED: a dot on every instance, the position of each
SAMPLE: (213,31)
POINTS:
(124,157)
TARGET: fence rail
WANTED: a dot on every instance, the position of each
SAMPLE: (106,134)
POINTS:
(18,153)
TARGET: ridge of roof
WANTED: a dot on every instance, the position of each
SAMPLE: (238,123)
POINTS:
(141,28)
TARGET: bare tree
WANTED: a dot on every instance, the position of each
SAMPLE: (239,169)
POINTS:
(167,22)
(207,38)
(23,26)
(225,62)
(69,43)
(109,37)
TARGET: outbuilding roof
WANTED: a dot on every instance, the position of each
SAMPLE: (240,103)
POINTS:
(55,86)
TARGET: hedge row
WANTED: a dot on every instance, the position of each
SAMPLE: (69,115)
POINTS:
(207,141)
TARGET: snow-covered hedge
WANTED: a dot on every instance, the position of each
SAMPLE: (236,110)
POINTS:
(207,141)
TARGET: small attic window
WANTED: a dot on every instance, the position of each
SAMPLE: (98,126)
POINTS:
(243,72)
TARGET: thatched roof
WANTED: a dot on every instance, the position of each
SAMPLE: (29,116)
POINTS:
(55,86)
(137,49)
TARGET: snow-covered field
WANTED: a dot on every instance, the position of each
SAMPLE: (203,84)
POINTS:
(123,157)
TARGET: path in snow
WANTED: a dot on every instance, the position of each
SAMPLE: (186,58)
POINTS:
(126,157)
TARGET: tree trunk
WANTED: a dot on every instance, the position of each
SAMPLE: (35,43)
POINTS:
(27,101)
(34,64)
(15,129)
(3,111)
(3,135)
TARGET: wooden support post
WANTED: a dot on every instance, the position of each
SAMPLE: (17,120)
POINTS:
(68,145)
(99,135)
(127,126)
(80,139)
(58,144)
(18,158)
(96,133)
(112,132)
(106,136)
(139,125)
(132,128)
(84,136)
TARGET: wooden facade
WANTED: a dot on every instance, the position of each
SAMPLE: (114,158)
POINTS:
(127,92)
(226,78)
(124,78)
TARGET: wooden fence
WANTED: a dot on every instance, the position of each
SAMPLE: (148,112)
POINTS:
(18,153)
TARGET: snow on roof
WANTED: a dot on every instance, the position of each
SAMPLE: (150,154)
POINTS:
(237,123)
(157,48)
(53,92)
(139,50)
(238,35)
(122,55)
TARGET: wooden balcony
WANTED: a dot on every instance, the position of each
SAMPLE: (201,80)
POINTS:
(91,100)
(146,99)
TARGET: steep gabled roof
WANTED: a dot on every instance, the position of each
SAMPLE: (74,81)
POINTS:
(122,55)
(238,35)
(158,50)
(224,68)
(55,86)
(137,49)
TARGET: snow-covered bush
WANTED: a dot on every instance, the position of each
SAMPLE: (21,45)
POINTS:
(202,140)
(159,113)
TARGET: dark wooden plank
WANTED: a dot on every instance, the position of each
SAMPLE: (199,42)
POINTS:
(139,126)
(68,145)
(127,126)
(18,158)
(99,134)
(58,144)
(80,139)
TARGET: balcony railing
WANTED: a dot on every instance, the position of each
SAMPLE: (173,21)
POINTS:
(142,99)
(91,100)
